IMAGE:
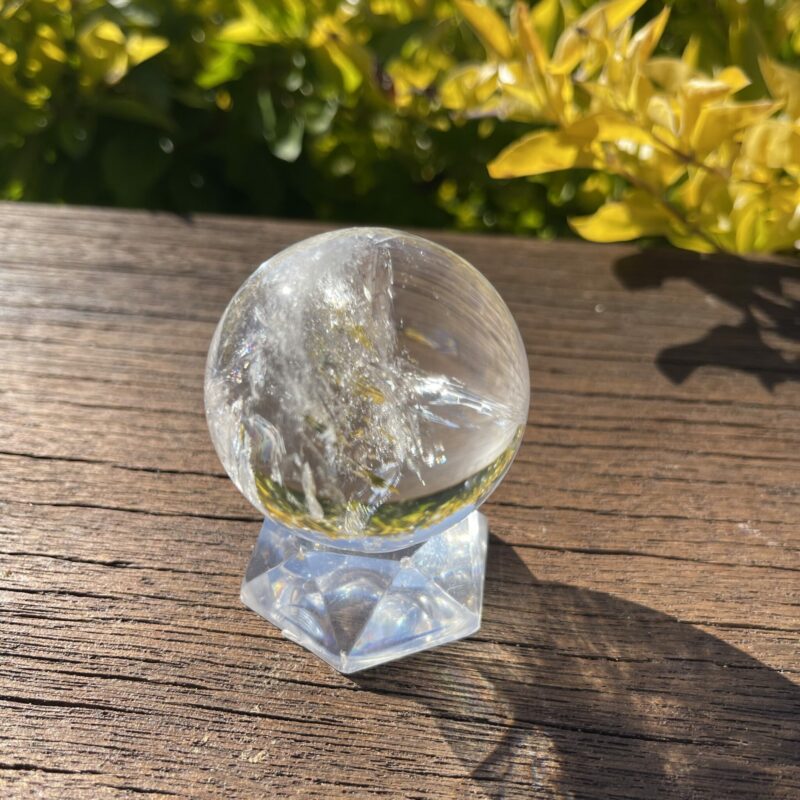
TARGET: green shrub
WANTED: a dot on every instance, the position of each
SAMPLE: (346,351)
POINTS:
(315,108)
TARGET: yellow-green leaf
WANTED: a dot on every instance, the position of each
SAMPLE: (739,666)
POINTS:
(545,17)
(247,31)
(696,94)
(515,81)
(691,53)
(661,113)
(615,128)
(644,42)
(783,84)
(690,241)
(593,25)
(7,55)
(716,124)
(102,49)
(774,144)
(350,57)
(530,40)
(705,188)
(352,77)
(635,216)
(48,44)
(489,26)
(733,77)
(101,37)
(746,228)
(545,151)
(468,86)
(617,11)
(140,48)
(669,73)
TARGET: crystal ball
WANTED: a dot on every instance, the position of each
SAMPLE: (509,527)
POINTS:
(366,383)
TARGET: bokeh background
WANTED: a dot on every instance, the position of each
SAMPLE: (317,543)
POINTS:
(367,111)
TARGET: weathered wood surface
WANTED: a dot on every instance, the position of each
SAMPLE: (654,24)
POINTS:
(642,613)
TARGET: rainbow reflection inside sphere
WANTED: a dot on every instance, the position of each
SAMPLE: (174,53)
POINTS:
(366,383)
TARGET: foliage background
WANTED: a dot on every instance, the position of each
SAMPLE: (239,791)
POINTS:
(331,109)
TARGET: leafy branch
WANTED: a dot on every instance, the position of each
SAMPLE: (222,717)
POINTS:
(699,166)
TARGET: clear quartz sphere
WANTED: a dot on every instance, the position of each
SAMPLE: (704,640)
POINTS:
(366,383)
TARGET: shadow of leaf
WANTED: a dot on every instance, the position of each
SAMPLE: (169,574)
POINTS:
(764,343)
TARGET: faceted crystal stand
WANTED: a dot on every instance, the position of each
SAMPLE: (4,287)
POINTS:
(357,609)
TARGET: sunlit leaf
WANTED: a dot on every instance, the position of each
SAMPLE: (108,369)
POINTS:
(669,73)
(613,127)
(246,31)
(783,84)
(662,114)
(515,81)
(647,38)
(140,48)
(617,11)
(717,123)
(732,77)
(531,41)
(7,55)
(545,18)
(489,26)
(469,86)
(691,53)
(705,188)
(690,241)
(103,51)
(546,151)
(350,58)
(48,44)
(621,221)
(225,63)
(774,144)
(352,76)
(695,94)
(599,19)
(746,228)
(387,92)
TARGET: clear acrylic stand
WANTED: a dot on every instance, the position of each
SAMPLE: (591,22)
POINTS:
(356,608)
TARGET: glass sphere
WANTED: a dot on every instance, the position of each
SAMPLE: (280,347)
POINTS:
(366,383)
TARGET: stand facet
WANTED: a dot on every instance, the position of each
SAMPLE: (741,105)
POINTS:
(358,609)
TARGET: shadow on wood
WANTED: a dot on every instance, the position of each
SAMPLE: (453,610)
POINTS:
(765,343)
(589,696)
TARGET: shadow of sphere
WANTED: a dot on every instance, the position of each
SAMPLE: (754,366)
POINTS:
(571,693)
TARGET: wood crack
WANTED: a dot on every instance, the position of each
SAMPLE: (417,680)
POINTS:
(612,551)
(148,512)
(116,465)
(607,512)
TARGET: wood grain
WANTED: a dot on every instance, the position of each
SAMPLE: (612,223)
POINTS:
(642,613)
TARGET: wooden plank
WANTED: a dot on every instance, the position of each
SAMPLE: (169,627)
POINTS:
(643,597)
